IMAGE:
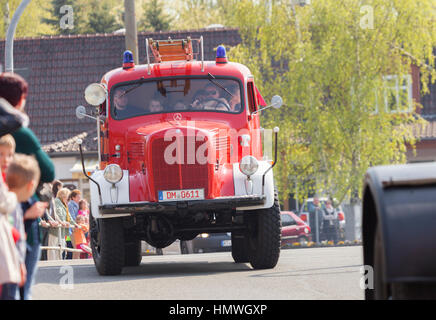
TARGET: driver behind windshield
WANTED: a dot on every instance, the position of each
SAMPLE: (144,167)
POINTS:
(235,98)
(199,98)
(213,101)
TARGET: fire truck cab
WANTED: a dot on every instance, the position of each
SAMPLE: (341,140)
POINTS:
(180,148)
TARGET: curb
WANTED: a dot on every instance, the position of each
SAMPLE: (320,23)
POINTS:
(324,244)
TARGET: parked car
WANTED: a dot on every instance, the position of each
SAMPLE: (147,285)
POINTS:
(294,229)
(304,214)
(207,242)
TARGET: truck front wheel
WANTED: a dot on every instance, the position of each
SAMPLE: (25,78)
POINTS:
(107,243)
(265,236)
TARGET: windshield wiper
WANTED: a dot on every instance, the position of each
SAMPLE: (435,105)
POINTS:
(212,78)
(141,82)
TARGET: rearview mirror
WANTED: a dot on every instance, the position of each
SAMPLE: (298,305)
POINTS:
(81,113)
(276,102)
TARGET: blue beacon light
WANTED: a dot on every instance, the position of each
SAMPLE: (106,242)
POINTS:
(221,56)
(128,61)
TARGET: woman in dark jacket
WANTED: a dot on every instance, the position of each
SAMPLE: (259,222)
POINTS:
(13,88)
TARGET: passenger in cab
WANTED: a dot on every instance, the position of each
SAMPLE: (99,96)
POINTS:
(179,106)
(120,99)
(155,105)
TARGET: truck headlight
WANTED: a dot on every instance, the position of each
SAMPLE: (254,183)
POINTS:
(248,165)
(113,173)
(95,94)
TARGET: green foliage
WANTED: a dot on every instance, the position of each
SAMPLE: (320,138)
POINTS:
(197,14)
(79,14)
(154,17)
(30,23)
(330,68)
(101,19)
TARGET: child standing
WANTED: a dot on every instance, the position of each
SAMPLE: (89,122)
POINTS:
(22,178)
(10,271)
(79,235)
(83,208)
(7,150)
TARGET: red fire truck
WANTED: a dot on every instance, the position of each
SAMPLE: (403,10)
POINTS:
(180,148)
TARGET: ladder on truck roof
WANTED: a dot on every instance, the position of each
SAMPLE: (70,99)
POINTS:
(172,50)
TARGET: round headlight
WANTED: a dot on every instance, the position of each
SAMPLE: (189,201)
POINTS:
(248,165)
(113,173)
(95,94)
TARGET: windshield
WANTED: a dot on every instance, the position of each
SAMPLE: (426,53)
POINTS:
(175,95)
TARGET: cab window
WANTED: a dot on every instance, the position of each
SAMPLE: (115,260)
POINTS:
(251,98)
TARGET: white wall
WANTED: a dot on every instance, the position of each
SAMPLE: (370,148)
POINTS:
(63,166)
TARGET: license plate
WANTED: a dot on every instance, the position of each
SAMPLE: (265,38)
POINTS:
(187,194)
(226,243)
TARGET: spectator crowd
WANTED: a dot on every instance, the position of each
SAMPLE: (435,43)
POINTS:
(324,220)
(35,209)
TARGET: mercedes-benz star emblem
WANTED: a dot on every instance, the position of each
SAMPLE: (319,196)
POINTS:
(177,117)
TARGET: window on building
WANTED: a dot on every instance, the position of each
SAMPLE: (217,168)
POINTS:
(397,93)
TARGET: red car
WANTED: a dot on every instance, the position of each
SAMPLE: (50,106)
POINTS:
(294,229)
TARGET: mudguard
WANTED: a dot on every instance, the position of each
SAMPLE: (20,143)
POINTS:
(268,191)
(117,194)
(402,200)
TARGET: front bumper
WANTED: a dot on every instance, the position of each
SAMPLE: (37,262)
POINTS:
(222,203)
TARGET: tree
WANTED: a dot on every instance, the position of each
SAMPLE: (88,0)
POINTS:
(101,19)
(154,18)
(197,14)
(30,23)
(67,16)
(332,61)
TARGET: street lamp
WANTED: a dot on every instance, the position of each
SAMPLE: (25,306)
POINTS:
(9,45)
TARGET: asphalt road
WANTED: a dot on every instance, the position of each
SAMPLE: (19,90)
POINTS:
(307,274)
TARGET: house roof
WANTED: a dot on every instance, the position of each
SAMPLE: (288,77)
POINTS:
(58,69)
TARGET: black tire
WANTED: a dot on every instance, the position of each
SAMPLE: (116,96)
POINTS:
(396,291)
(239,248)
(381,288)
(107,243)
(265,237)
(132,254)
